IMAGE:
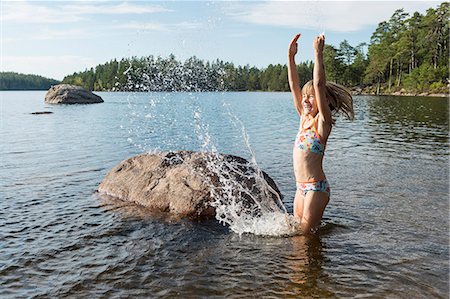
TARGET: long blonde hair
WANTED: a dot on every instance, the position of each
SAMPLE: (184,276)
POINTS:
(339,98)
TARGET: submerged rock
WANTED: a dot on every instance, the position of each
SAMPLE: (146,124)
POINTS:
(41,112)
(70,94)
(185,183)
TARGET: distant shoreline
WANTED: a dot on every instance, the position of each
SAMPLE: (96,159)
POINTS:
(354,93)
(23,89)
(396,94)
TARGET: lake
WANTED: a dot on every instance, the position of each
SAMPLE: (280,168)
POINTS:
(385,232)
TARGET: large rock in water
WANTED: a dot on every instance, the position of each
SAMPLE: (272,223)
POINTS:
(184,183)
(70,94)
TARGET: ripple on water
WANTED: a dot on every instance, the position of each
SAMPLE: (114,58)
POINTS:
(385,231)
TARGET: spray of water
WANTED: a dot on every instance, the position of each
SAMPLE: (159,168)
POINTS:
(238,205)
(256,209)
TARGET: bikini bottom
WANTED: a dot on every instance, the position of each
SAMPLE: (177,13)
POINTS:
(321,186)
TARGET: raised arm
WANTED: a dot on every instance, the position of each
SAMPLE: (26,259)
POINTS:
(320,81)
(294,82)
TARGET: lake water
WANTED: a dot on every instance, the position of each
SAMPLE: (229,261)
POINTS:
(385,232)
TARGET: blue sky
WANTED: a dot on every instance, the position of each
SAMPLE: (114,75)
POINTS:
(57,38)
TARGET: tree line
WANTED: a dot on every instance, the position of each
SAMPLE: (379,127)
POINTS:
(16,81)
(405,52)
(409,52)
(168,74)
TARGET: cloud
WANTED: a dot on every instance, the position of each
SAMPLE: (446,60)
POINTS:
(338,16)
(24,12)
(55,67)
(182,26)
(71,34)
(141,26)
(238,34)
(121,8)
(61,12)
(93,32)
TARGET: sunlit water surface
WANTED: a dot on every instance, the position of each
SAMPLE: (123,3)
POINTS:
(384,233)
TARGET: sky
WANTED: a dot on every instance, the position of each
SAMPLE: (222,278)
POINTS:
(57,38)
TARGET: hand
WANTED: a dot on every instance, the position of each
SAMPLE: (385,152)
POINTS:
(319,43)
(292,51)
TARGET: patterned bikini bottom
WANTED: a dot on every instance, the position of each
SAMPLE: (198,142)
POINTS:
(321,186)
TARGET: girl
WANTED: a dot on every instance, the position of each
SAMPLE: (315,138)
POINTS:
(315,104)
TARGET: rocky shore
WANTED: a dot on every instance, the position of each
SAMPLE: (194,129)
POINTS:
(370,91)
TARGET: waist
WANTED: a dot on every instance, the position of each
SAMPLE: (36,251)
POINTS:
(308,168)
(314,176)
(311,180)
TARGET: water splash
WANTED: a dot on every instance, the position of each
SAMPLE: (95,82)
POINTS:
(256,209)
(242,209)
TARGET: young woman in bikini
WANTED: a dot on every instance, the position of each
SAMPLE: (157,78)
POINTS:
(315,103)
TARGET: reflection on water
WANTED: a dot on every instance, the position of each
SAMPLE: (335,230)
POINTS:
(409,111)
(398,122)
(306,263)
(385,231)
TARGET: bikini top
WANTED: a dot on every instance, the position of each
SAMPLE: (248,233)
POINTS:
(308,139)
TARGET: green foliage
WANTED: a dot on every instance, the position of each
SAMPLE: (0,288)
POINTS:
(438,87)
(16,81)
(168,74)
(333,65)
(424,78)
(410,52)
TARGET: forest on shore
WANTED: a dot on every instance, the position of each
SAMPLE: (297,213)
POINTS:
(16,81)
(406,54)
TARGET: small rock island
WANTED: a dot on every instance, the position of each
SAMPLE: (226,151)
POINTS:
(70,94)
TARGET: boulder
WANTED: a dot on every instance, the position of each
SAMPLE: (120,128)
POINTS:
(70,94)
(186,183)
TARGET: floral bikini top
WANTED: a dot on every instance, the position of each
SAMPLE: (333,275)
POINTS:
(308,139)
